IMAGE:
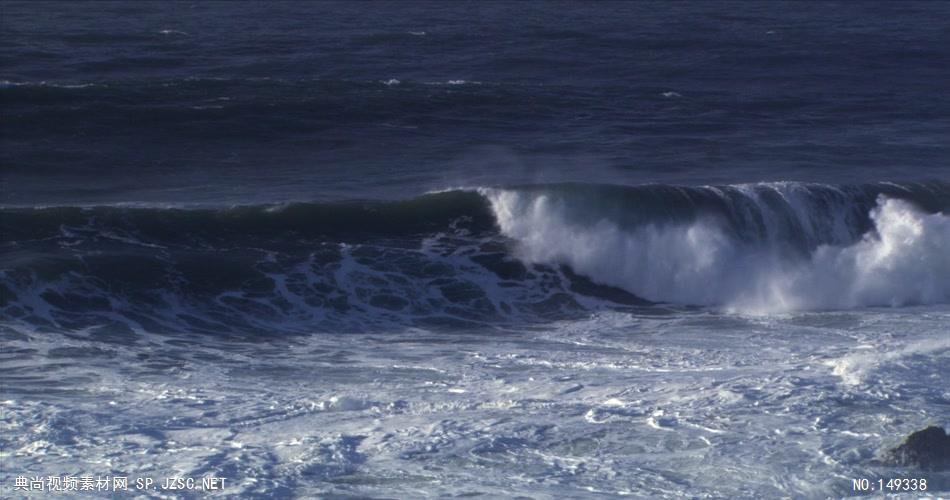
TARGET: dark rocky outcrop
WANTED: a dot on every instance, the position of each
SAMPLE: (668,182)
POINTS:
(926,449)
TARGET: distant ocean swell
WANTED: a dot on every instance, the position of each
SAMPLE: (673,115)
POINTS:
(239,108)
(474,257)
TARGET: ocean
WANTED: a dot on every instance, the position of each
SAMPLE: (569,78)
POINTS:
(473,249)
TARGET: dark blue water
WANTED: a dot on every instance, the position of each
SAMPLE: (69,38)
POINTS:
(240,102)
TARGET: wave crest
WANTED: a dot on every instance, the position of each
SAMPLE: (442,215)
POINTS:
(759,248)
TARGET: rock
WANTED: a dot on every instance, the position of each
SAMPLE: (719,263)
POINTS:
(926,449)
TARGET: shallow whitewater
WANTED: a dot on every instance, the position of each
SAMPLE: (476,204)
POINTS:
(692,403)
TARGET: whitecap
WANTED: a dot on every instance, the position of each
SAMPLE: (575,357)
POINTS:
(44,83)
(902,260)
(455,82)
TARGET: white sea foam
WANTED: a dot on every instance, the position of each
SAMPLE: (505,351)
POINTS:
(553,412)
(903,260)
(44,83)
(854,368)
(455,82)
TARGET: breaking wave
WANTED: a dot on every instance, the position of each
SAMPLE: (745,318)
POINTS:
(753,248)
(474,257)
